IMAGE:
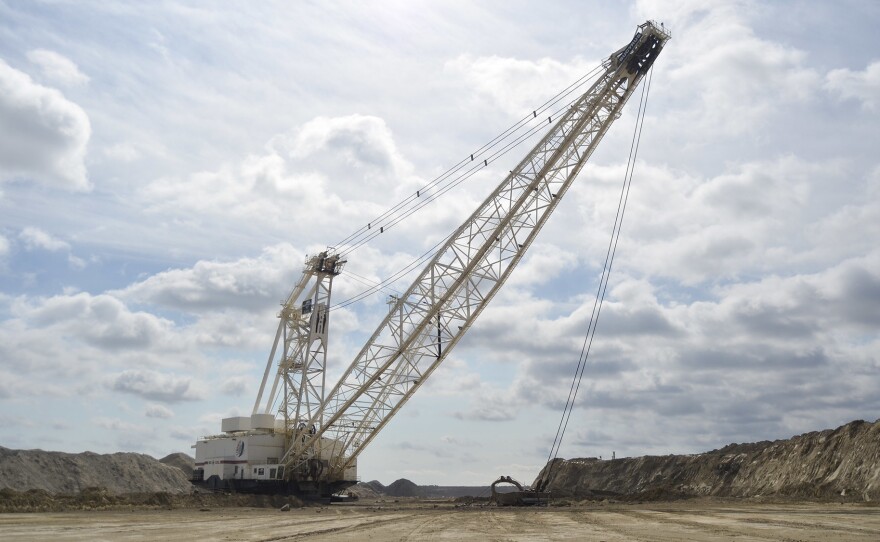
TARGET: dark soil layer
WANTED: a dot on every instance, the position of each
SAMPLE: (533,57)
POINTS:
(97,498)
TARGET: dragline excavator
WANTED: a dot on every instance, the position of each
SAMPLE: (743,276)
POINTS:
(309,445)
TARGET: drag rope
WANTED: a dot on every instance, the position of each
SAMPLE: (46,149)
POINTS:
(603,286)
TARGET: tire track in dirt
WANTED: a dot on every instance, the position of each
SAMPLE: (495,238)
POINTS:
(709,523)
(610,529)
(360,523)
(656,526)
(825,526)
(769,527)
(615,523)
(572,527)
(497,527)
(803,522)
(422,531)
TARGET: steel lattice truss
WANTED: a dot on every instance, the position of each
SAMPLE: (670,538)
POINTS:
(427,321)
(302,338)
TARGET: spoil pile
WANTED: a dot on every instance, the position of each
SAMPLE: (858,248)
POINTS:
(403,488)
(182,461)
(831,464)
(362,491)
(64,473)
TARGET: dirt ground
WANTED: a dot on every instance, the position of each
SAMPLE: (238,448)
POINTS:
(421,520)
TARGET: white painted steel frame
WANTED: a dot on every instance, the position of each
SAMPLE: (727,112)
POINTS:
(301,341)
(435,312)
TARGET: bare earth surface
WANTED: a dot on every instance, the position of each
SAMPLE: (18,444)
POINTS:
(691,520)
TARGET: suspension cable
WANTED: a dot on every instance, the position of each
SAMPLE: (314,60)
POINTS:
(392,278)
(417,199)
(603,286)
(449,186)
(415,202)
(370,283)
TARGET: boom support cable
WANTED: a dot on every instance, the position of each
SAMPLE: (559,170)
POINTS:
(427,255)
(383,285)
(421,197)
(443,184)
(600,292)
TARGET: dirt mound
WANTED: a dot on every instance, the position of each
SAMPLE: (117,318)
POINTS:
(843,463)
(58,472)
(403,488)
(180,460)
(364,491)
(375,485)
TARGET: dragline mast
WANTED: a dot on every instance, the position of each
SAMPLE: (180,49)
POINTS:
(435,312)
(320,434)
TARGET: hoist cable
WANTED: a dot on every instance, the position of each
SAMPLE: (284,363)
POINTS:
(378,221)
(430,252)
(449,186)
(368,282)
(455,182)
(391,279)
(603,286)
(525,120)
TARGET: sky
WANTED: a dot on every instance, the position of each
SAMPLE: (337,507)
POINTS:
(166,167)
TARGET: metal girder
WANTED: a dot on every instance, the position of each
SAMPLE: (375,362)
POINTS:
(427,321)
(301,348)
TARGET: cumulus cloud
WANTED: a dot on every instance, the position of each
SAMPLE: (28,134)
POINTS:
(747,218)
(544,263)
(5,390)
(158,411)
(687,364)
(72,341)
(301,178)
(35,238)
(434,449)
(185,433)
(4,246)
(491,408)
(127,436)
(736,78)
(165,388)
(863,86)
(115,424)
(235,385)
(452,378)
(76,262)
(361,140)
(723,67)
(248,283)
(43,136)
(57,67)
(331,174)
(516,86)
(124,152)
(101,320)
